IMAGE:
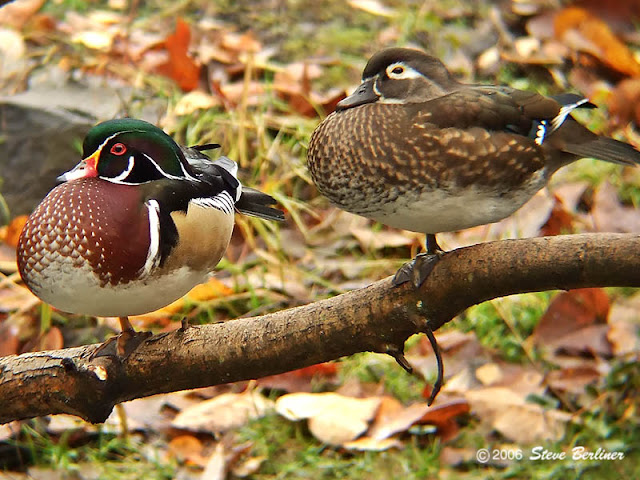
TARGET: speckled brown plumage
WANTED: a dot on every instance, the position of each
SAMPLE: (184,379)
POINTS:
(416,149)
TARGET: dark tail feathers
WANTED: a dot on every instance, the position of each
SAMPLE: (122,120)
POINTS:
(606,149)
(255,203)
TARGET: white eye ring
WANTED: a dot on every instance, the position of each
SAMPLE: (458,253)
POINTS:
(399,71)
(395,71)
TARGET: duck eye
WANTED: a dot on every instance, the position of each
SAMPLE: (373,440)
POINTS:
(398,70)
(118,149)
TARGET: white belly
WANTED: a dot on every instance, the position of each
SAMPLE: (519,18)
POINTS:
(78,290)
(440,211)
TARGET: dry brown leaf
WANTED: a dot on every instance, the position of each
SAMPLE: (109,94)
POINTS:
(180,67)
(301,380)
(624,326)
(570,312)
(9,430)
(585,32)
(368,444)
(392,417)
(610,215)
(385,238)
(9,339)
(560,220)
(624,102)
(459,350)
(224,412)
(216,467)
(11,233)
(456,456)
(248,466)
(142,414)
(523,380)
(241,42)
(443,417)
(17,298)
(333,418)
(573,380)
(17,13)
(187,449)
(508,412)
(373,7)
(193,101)
(52,340)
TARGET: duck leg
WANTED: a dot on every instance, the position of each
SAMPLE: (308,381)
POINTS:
(418,269)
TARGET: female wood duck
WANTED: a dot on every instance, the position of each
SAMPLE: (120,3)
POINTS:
(415,149)
(137,223)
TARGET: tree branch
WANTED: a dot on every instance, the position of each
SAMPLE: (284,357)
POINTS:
(378,318)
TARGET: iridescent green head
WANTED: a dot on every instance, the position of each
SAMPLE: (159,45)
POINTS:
(129,151)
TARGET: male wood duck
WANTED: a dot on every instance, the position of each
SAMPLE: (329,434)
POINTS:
(415,149)
(135,225)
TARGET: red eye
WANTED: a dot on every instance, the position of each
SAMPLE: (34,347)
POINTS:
(119,149)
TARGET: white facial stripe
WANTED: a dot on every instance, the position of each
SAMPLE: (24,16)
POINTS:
(125,173)
(407,71)
(168,175)
(153,254)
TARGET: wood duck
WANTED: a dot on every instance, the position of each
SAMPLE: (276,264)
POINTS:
(415,149)
(135,225)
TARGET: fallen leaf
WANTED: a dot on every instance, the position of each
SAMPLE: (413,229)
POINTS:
(193,101)
(248,467)
(610,215)
(241,42)
(303,379)
(180,67)
(224,412)
(624,326)
(9,339)
(457,456)
(216,467)
(443,417)
(392,417)
(11,233)
(368,444)
(373,7)
(624,102)
(560,220)
(584,32)
(568,313)
(333,418)
(508,412)
(187,448)
(52,340)
(573,380)
(17,13)
(142,414)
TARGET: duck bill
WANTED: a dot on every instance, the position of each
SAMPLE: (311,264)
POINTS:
(363,94)
(86,168)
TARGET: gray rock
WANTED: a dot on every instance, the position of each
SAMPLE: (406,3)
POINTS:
(36,145)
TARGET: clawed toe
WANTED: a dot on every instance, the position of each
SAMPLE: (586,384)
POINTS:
(122,345)
(417,270)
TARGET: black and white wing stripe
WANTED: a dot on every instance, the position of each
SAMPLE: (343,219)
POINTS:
(541,129)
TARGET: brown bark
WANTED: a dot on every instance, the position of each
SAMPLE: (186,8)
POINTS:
(377,318)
